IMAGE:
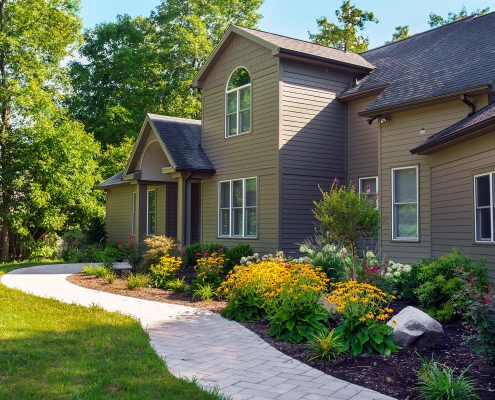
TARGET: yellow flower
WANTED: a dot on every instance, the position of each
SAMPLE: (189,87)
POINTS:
(362,319)
(393,323)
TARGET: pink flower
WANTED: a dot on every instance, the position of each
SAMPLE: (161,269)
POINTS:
(132,243)
(368,190)
(206,251)
(372,201)
(198,254)
(129,237)
(486,301)
(119,245)
(220,249)
(336,180)
(183,250)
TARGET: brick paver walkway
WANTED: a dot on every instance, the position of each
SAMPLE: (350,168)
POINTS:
(199,343)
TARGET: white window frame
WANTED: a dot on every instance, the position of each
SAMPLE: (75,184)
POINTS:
(148,233)
(394,228)
(238,110)
(491,175)
(133,218)
(376,184)
(230,208)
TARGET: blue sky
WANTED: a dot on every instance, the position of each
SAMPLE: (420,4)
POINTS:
(295,18)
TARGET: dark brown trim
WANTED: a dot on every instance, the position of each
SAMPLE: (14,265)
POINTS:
(362,93)
(430,147)
(485,89)
(300,55)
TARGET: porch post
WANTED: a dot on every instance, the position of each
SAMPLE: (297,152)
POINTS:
(188,212)
(182,208)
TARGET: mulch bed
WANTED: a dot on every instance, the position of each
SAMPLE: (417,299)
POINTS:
(392,375)
(153,294)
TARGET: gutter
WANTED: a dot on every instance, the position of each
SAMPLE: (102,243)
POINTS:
(425,101)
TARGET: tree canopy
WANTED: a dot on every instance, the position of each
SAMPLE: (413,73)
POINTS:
(138,65)
(346,35)
(437,20)
(48,163)
(401,32)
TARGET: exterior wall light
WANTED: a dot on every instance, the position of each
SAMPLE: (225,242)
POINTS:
(422,131)
(383,121)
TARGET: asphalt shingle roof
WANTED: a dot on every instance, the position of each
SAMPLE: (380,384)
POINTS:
(182,139)
(308,48)
(481,118)
(444,60)
(114,180)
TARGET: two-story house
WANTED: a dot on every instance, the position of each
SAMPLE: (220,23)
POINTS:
(414,120)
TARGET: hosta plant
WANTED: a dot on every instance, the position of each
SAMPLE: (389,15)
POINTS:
(363,309)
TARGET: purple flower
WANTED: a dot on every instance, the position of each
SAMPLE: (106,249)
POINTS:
(336,180)
(368,190)
(372,201)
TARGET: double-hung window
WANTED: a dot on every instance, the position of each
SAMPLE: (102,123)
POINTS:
(484,201)
(405,203)
(238,208)
(151,211)
(369,187)
(238,103)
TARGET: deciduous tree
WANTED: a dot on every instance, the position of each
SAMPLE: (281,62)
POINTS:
(346,35)
(437,20)
(48,163)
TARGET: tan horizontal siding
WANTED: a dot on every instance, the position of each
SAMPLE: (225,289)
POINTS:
(246,155)
(119,213)
(453,171)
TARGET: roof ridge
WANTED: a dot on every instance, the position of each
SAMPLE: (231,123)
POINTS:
(299,40)
(170,118)
(468,18)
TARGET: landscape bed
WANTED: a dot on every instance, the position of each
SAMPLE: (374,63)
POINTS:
(392,375)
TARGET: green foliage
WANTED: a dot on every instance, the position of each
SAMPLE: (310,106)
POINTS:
(111,276)
(244,307)
(209,269)
(95,231)
(440,281)
(178,285)
(401,32)
(133,253)
(476,306)
(165,271)
(297,324)
(89,270)
(233,256)
(101,272)
(327,345)
(346,217)
(146,64)
(367,337)
(437,20)
(109,255)
(352,20)
(334,262)
(196,250)
(157,247)
(113,158)
(134,281)
(437,381)
(205,291)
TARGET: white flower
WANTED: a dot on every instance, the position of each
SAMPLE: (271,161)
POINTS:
(395,266)
(388,275)
(255,255)
(310,252)
(249,263)
(390,262)
(407,268)
(397,274)
(370,254)
(243,260)
(303,249)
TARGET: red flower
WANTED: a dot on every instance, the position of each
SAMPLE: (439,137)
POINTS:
(119,245)
(198,254)
(206,251)
(129,237)
(486,301)
(132,243)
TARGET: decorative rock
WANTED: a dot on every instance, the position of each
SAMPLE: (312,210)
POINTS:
(415,328)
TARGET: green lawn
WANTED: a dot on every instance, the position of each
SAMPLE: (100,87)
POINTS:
(51,350)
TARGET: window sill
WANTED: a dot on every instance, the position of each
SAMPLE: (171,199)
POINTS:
(405,241)
(483,243)
(238,134)
(238,237)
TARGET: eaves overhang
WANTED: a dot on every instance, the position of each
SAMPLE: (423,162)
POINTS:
(475,91)
(434,145)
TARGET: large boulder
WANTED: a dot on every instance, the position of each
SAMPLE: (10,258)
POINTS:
(413,327)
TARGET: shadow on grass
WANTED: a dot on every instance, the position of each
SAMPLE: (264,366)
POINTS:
(52,350)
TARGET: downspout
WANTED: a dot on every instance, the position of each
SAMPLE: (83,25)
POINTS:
(469,104)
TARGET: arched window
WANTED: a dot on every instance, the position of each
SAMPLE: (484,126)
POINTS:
(238,103)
